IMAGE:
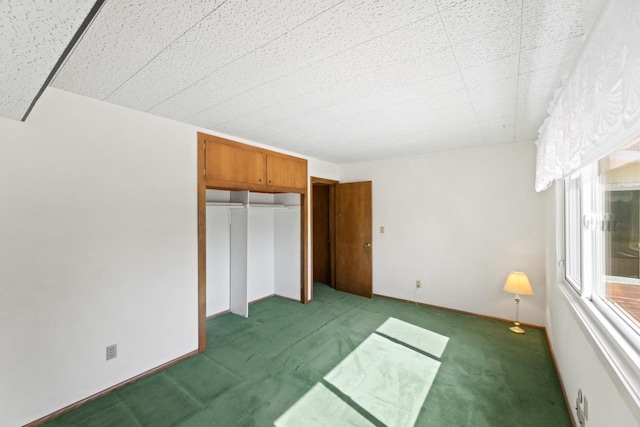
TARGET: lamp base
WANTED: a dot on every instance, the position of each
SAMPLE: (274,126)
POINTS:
(516,329)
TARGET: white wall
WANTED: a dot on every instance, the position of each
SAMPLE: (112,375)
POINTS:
(458,221)
(98,245)
(581,364)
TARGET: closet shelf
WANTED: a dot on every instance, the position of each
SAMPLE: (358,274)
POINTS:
(224,204)
(273,205)
(253,205)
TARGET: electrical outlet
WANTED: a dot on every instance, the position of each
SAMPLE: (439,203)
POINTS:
(418,284)
(581,408)
(112,351)
(586,409)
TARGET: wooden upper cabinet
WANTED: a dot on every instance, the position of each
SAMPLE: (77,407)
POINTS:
(286,171)
(234,166)
(233,163)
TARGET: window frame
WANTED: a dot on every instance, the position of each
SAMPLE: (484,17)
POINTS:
(617,340)
(576,283)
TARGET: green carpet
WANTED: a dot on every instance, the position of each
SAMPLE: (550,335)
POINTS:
(414,336)
(255,370)
(321,407)
(388,380)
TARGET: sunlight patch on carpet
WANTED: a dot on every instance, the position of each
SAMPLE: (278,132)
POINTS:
(320,407)
(388,380)
(415,336)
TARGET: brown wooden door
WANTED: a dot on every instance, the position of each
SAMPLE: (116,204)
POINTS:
(321,235)
(353,238)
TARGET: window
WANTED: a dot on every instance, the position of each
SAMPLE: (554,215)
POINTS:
(618,251)
(602,238)
(573,221)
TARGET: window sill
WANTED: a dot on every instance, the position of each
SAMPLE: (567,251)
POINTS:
(620,358)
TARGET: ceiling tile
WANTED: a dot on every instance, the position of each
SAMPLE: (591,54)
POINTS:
(445,4)
(334,31)
(495,45)
(436,64)
(232,31)
(499,137)
(228,82)
(343,80)
(524,134)
(424,37)
(34,35)
(123,38)
(546,22)
(535,92)
(383,16)
(469,138)
(218,114)
(239,125)
(496,99)
(540,82)
(549,55)
(348,64)
(292,54)
(476,18)
(491,71)
(531,117)
(498,131)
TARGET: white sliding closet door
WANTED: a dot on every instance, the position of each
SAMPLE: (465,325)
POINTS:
(218,259)
(238,275)
(287,257)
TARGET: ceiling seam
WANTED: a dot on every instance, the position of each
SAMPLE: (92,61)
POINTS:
(240,57)
(466,88)
(321,108)
(374,38)
(163,49)
(391,56)
(75,46)
(515,115)
(93,12)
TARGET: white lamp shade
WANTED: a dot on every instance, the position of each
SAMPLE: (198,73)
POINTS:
(518,283)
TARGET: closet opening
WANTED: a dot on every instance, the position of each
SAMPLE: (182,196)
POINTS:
(252,228)
(253,249)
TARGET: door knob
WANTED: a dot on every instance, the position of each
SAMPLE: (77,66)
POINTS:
(367,245)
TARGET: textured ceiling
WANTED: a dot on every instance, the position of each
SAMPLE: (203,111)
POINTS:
(341,81)
(33,36)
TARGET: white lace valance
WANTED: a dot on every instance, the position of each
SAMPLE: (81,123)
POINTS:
(598,108)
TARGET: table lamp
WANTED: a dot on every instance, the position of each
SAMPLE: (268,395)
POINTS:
(518,283)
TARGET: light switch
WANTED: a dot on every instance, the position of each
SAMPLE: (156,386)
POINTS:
(381,229)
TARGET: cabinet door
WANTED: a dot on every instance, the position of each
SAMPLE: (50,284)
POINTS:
(225,162)
(286,171)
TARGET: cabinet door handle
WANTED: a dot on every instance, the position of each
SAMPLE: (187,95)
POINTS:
(269,181)
(259,179)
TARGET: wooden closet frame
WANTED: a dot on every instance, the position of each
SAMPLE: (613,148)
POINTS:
(202,244)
